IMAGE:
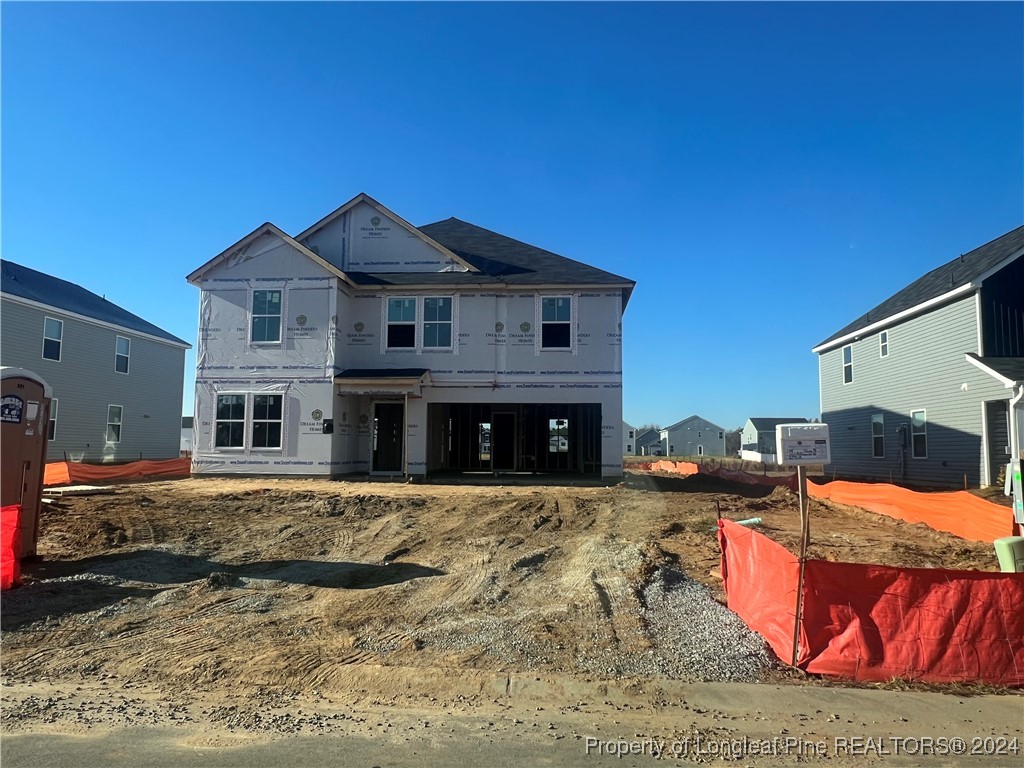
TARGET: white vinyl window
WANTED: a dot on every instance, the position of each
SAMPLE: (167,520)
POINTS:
(919,434)
(847,364)
(266,317)
(700,450)
(401,332)
(556,322)
(53,338)
(114,416)
(878,435)
(122,351)
(883,344)
(437,322)
(51,430)
(266,421)
(229,430)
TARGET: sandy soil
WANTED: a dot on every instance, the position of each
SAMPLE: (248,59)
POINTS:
(270,607)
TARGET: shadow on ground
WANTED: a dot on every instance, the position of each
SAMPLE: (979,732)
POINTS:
(694,484)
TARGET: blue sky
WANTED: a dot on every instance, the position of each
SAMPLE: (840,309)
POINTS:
(765,172)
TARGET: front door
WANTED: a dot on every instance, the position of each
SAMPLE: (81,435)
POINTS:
(503,441)
(388,426)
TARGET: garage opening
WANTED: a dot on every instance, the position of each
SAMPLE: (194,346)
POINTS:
(528,437)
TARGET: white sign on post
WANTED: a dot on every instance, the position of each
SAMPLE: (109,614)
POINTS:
(799,444)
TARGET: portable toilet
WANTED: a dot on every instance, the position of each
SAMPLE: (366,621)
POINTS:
(24,422)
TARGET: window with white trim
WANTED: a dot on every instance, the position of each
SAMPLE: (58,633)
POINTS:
(847,364)
(53,338)
(919,434)
(266,421)
(878,435)
(114,417)
(266,317)
(437,322)
(883,344)
(51,429)
(229,429)
(401,331)
(700,450)
(556,322)
(122,351)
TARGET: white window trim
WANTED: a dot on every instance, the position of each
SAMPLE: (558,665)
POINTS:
(883,346)
(280,318)
(245,423)
(120,424)
(845,364)
(60,350)
(421,314)
(873,436)
(539,322)
(925,412)
(51,418)
(118,354)
(250,426)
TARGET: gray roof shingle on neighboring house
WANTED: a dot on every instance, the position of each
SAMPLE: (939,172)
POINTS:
(40,287)
(511,261)
(959,271)
(763,424)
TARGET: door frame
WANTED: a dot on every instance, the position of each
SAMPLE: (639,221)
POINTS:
(373,429)
(514,417)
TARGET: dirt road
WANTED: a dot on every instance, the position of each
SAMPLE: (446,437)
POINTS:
(243,610)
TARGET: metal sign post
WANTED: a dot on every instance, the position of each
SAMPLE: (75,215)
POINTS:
(800,445)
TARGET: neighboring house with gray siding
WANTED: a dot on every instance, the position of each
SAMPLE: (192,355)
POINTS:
(117,379)
(693,436)
(628,439)
(648,443)
(925,388)
(757,441)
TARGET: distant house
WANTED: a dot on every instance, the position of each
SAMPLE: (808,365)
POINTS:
(693,436)
(117,379)
(648,443)
(757,441)
(926,388)
(628,439)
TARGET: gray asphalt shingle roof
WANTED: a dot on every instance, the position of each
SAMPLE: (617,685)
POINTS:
(1009,367)
(953,274)
(763,424)
(33,285)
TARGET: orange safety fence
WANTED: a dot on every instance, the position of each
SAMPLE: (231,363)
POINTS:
(66,472)
(960,513)
(10,565)
(873,622)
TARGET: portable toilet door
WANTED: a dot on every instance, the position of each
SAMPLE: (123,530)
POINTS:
(24,421)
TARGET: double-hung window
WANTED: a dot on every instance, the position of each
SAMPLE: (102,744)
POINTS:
(51,430)
(883,344)
(878,435)
(919,434)
(114,415)
(230,428)
(122,351)
(266,421)
(401,332)
(437,322)
(53,336)
(847,364)
(266,317)
(556,322)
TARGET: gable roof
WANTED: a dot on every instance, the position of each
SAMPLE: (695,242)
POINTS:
(644,437)
(362,197)
(691,418)
(263,229)
(765,424)
(514,262)
(961,274)
(1008,370)
(41,288)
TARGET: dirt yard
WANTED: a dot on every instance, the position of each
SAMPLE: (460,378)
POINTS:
(248,606)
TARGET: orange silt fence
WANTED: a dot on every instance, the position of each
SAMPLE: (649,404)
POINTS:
(66,472)
(958,512)
(10,565)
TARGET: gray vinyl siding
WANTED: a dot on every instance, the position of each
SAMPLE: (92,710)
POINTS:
(925,369)
(84,382)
